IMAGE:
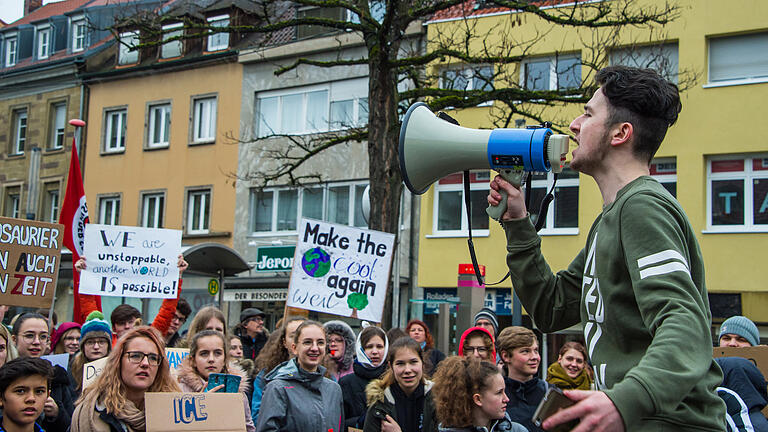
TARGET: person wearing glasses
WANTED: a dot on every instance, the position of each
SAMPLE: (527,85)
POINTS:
(180,315)
(115,401)
(477,342)
(32,338)
(252,333)
(95,343)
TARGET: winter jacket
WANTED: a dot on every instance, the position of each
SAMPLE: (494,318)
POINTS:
(557,376)
(743,390)
(381,402)
(501,425)
(298,400)
(434,356)
(343,366)
(252,346)
(259,383)
(191,382)
(353,389)
(62,391)
(37,426)
(523,400)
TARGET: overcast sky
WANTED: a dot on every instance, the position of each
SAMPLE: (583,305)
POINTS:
(11,10)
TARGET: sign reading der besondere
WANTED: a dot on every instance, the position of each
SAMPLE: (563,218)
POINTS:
(126,261)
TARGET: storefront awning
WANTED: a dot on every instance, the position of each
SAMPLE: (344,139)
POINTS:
(210,258)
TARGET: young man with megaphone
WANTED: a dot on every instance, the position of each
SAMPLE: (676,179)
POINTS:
(638,286)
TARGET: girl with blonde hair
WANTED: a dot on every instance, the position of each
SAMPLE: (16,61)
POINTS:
(207,318)
(7,349)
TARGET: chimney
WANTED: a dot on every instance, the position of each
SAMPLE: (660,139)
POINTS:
(31,5)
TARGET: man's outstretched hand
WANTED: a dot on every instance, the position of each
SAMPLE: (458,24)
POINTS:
(594,409)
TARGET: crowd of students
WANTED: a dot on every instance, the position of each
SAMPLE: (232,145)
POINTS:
(310,376)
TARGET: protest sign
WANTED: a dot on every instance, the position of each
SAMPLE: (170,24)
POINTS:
(92,370)
(29,262)
(175,356)
(61,360)
(756,354)
(130,261)
(341,270)
(167,412)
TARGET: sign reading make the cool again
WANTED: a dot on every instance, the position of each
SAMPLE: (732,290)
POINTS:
(341,270)
(131,261)
(29,262)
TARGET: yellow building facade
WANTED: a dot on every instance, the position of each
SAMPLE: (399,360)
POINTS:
(714,155)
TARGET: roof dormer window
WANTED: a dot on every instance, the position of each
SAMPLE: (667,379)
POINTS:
(172,48)
(11,48)
(78,34)
(43,42)
(218,41)
(127,52)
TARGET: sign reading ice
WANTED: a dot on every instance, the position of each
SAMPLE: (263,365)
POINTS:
(341,270)
(126,261)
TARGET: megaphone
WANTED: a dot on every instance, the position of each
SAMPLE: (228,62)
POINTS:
(432,148)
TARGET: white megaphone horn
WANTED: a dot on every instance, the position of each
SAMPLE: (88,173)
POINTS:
(432,148)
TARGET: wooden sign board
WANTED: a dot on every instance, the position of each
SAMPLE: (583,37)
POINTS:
(756,354)
(166,412)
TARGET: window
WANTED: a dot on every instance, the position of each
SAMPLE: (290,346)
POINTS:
(51,203)
(467,78)
(449,211)
(159,125)
(43,42)
(665,172)
(218,41)
(115,125)
(204,120)
(152,208)
(313,109)
(737,193)
(12,202)
(11,49)
(109,210)
(378,9)
(279,210)
(58,123)
(727,56)
(661,58)
(173,48)
(329,13)
(198,211)
(552,73)
(19,137)
(128,53)
(563,213)
(78,35)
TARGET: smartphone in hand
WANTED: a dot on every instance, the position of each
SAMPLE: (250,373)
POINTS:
(231,382)
(554,400)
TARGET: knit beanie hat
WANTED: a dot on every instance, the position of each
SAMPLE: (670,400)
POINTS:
(490,315)
(63,328)
(742,326)
(95,326)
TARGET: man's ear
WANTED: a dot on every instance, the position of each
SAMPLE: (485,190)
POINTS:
(504,356)
(621,133)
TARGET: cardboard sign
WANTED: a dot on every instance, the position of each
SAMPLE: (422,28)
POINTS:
(756,354)
(130,261)
(29,262)
(167,412)
(175,356)
(341,270)
(92,370)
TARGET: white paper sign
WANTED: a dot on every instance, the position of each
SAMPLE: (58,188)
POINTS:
(92,370)
(175,356)
(57,359)
(126,261)
(341,270)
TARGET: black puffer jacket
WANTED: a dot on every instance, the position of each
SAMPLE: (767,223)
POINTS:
(523,400)
(63,393)
(382,403)
(353,390)
(744,392)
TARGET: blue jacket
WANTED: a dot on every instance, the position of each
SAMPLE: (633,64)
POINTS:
(523,400)
(744,392)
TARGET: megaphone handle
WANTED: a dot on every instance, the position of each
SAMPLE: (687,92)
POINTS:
(516,179)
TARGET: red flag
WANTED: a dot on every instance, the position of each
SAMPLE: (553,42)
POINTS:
(74,216)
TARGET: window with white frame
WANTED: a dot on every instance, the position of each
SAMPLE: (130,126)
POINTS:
(51,202)
(152,209)
(109,210)
(159,125)
(313,109)
(727,64)
(218,41)
(115,126)
(663,58)
(664,170)
(468,78)
(563,212)
(279,209)
(43,42)
(204,119)
(19,137)
(11,49)
(128,53)
(58,125)
(449,214)
(198,211)
(560,72)
(78,35)
(172,48)
(12,204)
(737,193)
(377,8)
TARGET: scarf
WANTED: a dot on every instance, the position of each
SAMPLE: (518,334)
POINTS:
(557,376)
(87,417)
(409,409)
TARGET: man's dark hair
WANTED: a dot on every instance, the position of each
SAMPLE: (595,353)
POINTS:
(24,367)
(183,307)
(643,98)
(124,313)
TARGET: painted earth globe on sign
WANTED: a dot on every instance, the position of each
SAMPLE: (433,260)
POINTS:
(316,262)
